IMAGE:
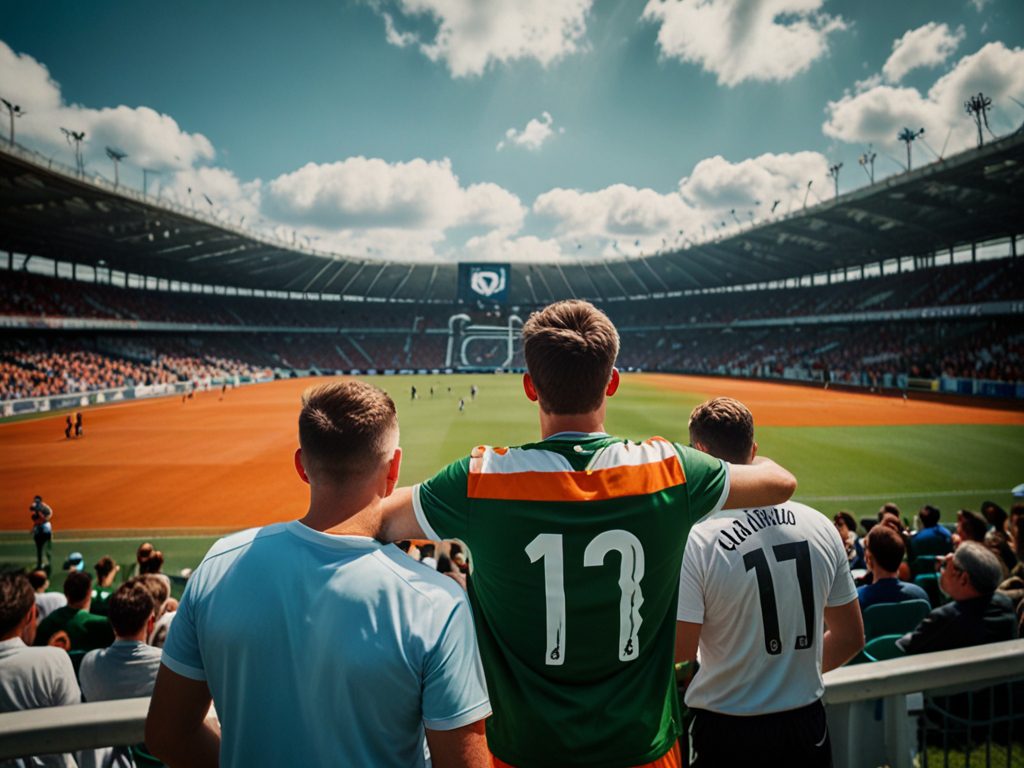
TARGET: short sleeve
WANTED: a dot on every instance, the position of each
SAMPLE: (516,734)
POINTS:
(707,481)
(454,690)
(65,685)
(691,585)
(843,589)
(440,503)
(181,650)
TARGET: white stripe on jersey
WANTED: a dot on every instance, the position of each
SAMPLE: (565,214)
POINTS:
(488,460)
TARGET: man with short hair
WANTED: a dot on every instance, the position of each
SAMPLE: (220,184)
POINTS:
(932,538)
(883,555)
(86,630)
(106,571)
(30,678)
(46,602)
(319,645)
(127,669)
(970,526)
(977,614)
(755,588)
(576,542)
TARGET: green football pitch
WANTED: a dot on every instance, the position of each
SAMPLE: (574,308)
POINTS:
(856,468)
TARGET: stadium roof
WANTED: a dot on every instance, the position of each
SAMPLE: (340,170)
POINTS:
(975,196)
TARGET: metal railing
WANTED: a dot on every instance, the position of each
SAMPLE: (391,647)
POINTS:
(102,724)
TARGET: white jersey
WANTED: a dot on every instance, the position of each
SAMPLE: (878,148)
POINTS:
(758,580)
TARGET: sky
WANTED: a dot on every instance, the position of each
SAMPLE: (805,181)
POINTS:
(505,130)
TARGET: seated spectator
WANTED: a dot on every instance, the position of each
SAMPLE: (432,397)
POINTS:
(85,630)
(46,602)
(165,606)
(883,556)
(998,545)
(847,528)
(127,669)
(932,538)
(30,678)
(970,526)
(106,570)
(995,516)
(977,615)
(152,564)
(141,554)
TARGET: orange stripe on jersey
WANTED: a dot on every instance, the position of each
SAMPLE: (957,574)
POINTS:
(595,485)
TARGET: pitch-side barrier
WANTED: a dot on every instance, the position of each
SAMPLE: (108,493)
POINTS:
(878,713)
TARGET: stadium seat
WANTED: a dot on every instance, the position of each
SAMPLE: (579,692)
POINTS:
(883,648)
(929,547)
(140,755)
(922,564)
(929,582)
(894,618)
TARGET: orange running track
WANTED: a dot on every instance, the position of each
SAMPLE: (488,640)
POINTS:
(212,465)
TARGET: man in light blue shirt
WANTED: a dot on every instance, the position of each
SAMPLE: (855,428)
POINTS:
(318,644)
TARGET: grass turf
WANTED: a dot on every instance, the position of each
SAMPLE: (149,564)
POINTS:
(853,468)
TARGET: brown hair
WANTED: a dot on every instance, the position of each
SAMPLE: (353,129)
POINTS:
(77,586)
(345,428)
(16,600)
(570,349)
(158,584)
(153,563)
(975,526)
(104,566)
(889,508)
(130,607)
(725,429)
(886,546)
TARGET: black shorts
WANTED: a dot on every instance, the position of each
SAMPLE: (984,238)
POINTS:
(796,737)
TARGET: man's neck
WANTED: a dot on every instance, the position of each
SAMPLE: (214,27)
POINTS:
(82,605)
(138,637)
(343,514)
(553,423)
(879,574)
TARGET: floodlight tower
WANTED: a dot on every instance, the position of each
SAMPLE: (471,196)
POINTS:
(807,191)
(867,162)
(833,171)
(117,156)
(13,111)
(977,107)
(77,137)
(907,136)
(145,178)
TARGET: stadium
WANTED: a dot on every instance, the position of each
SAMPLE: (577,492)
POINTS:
(877,336)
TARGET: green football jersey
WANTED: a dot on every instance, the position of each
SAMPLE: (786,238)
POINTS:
(575,546)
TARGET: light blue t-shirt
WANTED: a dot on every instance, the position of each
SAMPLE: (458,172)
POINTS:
(326,650)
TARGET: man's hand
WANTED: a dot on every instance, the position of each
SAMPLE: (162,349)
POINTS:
(176,727)
(398,518)
(760,484)
(464,747)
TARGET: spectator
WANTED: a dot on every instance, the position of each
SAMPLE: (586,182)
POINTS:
(970,526)
(127,669)
(106,570)
(995,516)
(46,602)
(427,556)
(998,545)
(152,564)
(883,556)
(30,678)
(847,528)
(166,607)
(977,615)
(85,630)
(932,538)
(323,648)
(42,532)
(141,554)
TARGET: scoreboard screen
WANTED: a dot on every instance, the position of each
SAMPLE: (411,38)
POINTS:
(484,282)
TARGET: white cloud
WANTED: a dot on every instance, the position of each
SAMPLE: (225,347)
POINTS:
(877,114)
(472,35)
(229,197)
(494,246)
(739,40)
(979,5)
(927,46)
(718,184)
(533,135)
(151,139)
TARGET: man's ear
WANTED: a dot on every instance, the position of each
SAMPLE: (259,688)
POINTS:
(299,468)
(698,445)
(613,383)
(393,467)
(529,389)
(753,452)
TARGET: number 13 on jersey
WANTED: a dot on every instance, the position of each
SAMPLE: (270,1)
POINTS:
(548,546)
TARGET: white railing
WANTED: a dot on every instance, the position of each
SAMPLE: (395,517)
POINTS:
(102,724)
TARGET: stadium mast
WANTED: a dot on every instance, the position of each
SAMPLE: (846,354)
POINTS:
(117,156)
(867,162)
(833,171)
(976,107)
(77,137)
(13,110)
(907,136)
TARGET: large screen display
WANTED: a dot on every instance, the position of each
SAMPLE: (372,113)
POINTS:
(484,282)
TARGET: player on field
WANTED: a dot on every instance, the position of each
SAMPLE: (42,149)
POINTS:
(575,543)
(754,589)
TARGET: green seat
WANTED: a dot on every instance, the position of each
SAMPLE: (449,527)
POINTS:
(924,564)
(142,757)
(894,618)
(883,648)
(929,582)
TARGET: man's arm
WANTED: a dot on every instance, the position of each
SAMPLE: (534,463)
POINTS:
(398,518)
(844,635)
(760,484)
(464,747)
(687,639)
(176,727)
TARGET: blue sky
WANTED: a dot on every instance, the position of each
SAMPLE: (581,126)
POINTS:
(506,129)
